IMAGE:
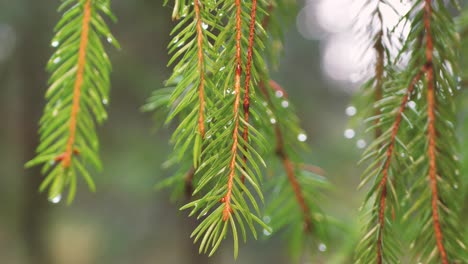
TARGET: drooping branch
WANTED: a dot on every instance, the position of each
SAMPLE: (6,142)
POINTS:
(431,105)
(389,153)
(379,68)
(248,75)
(201,70)
(67,157)
(286,161)
(237,90)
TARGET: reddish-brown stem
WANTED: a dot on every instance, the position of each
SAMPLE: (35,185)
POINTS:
(67,156)
(201,70)
(237,90)
(432,131)
(248,74)
(287,164)
(379,71)
(389,153)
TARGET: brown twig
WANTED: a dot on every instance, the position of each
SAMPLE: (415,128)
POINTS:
(432,130)
(248,75)
(287,164)
(237,89)
(389,153)
(379,71)
(201,70)
(67,156)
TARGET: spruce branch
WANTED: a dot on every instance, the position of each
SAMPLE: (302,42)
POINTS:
(428,134)
(246,103)
(78,93)
(284,157)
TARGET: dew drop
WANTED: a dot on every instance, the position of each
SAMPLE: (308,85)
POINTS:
(349,133)
(222,69)
(109,39)
(266,232)
(302,137)
(105,101)
(57,60)
(361,143)
(266,219)
(455,186)
(272,120)
(412,104)
(322,247)
(351,111)
(204,26)
(285,104)
(56,199)
(55,43)
(279,94)
(55,112)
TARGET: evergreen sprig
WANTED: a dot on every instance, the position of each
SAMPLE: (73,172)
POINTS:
(294,202)
(218,92)
(413,163)
(77,96)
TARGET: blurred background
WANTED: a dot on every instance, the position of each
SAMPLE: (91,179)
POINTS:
(127,220)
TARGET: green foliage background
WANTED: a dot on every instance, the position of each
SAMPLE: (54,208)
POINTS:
(127,221)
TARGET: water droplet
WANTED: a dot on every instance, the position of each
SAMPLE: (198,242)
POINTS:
(105,101)
(266,219)
(55,43)
(302,137)
(266,232)
(457,172)
(222,69)
(455,186)
(57,60)
(403,155)
(361,143)
(180,44)
(56,199)
(455,157)
(285,104)
(272,120)
(55,112)
(351,111)
(279,94)
(349,133)
(322,247)
(412,104)
(109,39)
(204,26)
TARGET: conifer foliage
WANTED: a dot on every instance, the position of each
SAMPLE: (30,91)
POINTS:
(413,160)
(234,125)
(229,112)
(77,95)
